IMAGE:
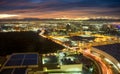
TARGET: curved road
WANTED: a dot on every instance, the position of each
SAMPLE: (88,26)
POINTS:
(104,67)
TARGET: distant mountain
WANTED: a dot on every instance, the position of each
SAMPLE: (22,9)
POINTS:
(52,19)
(103,19)
(30,19)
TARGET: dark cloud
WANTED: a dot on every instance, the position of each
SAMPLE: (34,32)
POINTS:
(94,7)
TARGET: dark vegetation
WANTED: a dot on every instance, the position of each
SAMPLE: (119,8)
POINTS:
(15,42)
(112,49)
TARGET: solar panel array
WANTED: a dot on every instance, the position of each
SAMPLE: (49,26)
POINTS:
(14,71)
(22,60)
(18,63)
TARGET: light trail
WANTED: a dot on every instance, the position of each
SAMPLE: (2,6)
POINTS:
(104,67)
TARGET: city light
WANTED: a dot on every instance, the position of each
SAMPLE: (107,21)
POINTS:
(60,36)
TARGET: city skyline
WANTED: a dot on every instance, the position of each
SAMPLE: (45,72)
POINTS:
(84,9)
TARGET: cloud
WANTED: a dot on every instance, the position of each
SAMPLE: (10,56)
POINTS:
(50,8)
(7,16)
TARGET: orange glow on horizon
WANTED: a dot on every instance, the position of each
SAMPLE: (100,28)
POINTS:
(7,16)
(71,15)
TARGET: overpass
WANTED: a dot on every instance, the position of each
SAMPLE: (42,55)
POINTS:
(96,56)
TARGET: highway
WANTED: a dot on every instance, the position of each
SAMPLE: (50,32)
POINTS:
(104,68)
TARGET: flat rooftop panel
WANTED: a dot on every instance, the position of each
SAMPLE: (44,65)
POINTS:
(13,63)
(31,56)
(30,62)
(22,59)
(17,56)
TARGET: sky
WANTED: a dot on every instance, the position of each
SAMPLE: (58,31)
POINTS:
(20,9)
